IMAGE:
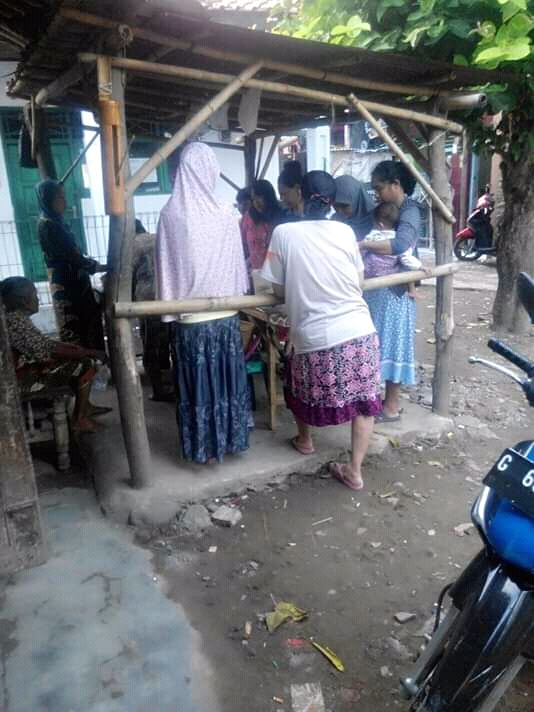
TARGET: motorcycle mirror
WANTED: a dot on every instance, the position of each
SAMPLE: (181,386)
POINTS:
(525,291)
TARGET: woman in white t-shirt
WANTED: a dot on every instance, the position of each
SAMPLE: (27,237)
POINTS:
(333,373)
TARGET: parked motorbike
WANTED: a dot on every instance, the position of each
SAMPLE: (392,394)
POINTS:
(488,633)
(476,239)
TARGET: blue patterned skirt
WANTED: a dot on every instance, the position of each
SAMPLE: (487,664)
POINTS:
(211,382)
(393,315)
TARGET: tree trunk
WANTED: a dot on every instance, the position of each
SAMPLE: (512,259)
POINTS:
(515,244)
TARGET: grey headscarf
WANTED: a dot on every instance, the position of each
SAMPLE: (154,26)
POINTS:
(350,191)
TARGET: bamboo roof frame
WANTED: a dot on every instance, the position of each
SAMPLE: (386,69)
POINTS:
(234,70)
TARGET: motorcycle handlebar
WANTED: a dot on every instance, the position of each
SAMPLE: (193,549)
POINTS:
(510,355)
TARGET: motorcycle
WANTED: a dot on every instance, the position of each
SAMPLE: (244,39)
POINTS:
(488,633)
(476,239)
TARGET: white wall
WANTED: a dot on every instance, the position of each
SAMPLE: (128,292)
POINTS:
(318,148)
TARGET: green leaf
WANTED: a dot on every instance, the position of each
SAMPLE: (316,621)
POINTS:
(509,10)
(487,29)
(438,29)
(518,49)
(339,30)
(356,23)
(520,25)
(427,6)
(461,60)
(459,28)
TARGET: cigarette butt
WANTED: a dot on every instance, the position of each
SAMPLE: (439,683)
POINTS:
(248,630)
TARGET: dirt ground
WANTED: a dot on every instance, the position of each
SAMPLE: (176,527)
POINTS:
(351,560)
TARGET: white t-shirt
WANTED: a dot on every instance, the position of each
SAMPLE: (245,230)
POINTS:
(317,262)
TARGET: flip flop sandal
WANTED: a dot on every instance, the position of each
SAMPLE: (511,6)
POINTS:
(302,450)
(335,470)
(383,418)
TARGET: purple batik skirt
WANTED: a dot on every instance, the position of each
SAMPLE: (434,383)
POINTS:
(335,385)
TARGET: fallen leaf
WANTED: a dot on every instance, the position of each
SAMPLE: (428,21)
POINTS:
(284,611)
(329,655)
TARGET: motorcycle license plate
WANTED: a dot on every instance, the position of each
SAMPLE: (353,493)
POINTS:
(512,476)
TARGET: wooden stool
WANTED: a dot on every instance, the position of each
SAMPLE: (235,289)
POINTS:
(56,404)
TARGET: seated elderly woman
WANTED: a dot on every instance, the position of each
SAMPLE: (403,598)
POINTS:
(44,362)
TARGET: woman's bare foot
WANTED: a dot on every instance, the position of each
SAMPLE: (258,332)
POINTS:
(343,473)
(85,425)
(303,445)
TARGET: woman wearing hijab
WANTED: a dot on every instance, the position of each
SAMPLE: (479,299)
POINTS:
(333,376)
(259,221)
(353,206)
(78,315)
(199,254)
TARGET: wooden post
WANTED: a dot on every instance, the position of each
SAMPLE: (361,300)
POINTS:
(444,321)
(122,352)
(21,537)
(249,156)
(35,118)
(270,154)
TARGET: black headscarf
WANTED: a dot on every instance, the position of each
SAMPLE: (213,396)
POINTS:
(318,191)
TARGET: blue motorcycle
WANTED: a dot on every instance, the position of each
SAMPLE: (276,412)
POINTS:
(488,633)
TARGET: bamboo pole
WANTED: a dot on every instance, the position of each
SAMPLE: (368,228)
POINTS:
(409,145)
(132,310)
(270,154)
(444,210)
(58,86)
(321,97)
(189,128)
(174,43)
(119,287)
(444,319)
(229,181)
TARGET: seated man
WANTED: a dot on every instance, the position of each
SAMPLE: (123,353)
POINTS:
(42,362)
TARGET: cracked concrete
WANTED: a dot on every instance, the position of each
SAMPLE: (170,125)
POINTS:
(92,630)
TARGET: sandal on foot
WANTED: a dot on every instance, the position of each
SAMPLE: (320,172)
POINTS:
(384,418)
(336,470)
(299,448)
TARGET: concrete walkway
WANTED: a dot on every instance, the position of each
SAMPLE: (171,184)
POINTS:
(90,630)
(269,458)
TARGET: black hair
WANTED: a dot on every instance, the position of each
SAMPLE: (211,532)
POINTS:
(271,207)
(139,227)
(318,191)
(391,171)
(291,174)
(242,195)
(14,292)
(386,213)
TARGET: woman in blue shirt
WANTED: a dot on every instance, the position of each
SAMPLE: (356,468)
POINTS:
(392,309)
